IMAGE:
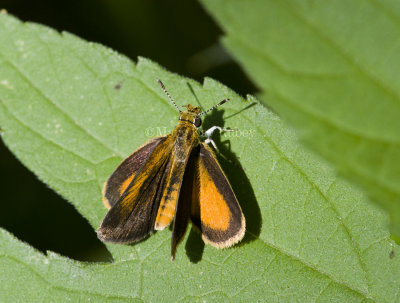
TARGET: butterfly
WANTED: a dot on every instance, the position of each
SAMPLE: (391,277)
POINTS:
(172,179)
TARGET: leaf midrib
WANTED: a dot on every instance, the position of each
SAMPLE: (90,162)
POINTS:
(322,195)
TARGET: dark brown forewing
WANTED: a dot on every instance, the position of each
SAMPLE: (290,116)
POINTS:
(183,206)
(115,186)
(132,217)
(215,209)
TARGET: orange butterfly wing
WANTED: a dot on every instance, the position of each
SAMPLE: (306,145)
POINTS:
(215,209)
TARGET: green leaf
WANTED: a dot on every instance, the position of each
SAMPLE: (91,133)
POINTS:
(72,110)
(331,69)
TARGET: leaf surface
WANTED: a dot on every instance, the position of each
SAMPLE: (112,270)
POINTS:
(331,69)
(72,110)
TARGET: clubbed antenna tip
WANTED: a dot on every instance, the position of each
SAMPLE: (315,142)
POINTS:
(214,107)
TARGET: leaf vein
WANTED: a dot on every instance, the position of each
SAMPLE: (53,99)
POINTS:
(67,116)
(44,138)
(325,198)
(58,287)
(346,55)
(325,120)
(315,269)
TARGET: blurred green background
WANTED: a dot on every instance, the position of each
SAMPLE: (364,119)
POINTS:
(179,35)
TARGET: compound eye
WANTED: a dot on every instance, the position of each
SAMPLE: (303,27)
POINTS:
(197,121)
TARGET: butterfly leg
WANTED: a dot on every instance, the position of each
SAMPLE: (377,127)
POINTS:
(208,133)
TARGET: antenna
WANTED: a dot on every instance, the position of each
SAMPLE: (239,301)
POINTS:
(215,106)
(169,96)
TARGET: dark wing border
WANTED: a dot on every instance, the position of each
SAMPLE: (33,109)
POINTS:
(237,224)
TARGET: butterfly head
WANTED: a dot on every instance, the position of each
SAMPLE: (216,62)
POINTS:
(191,114)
